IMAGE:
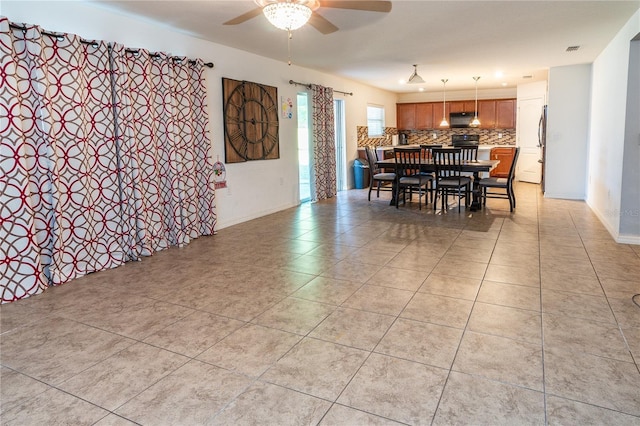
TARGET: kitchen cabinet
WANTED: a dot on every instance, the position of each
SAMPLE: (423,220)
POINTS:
(462,106)
(492,113)
(487,114)
(406,116)
(505,155)
(497,114)
(424,116)
(505,114)
(437,113)
(362,154)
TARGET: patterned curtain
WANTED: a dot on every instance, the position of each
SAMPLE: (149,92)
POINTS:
(163,124)
(324,143)
(69,169)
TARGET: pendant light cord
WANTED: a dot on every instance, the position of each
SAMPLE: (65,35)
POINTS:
(476,111)
(476,121)
(444,102)
(444,98)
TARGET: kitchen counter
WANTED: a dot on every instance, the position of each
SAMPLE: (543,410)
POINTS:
(480,147)
(483,150)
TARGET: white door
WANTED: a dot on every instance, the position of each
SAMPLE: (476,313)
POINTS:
(529,167)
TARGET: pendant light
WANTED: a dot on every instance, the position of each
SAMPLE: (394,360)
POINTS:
(444,122)
(475,122)
(415,78)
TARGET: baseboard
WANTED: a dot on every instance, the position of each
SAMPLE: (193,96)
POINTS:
(261,213)
(628,239)
(605,223)
(565,196)
(615,234)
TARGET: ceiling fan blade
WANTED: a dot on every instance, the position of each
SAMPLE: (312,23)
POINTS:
(321,24)
(244,17)
(371,5)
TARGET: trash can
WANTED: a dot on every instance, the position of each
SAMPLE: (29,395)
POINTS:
(361,173)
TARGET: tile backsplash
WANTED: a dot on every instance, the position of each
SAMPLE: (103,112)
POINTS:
(365,140)
(487,136)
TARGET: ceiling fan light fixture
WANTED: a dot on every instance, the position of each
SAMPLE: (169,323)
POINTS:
(415,78)
(287,15)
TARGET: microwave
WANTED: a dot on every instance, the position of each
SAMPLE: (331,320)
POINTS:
(459,120)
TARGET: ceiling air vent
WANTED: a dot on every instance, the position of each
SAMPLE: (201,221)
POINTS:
(572,48)
(527,76)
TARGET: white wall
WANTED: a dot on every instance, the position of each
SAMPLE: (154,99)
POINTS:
(607,133)
(534,90)
(567,132)
(458,95)
(630,200)
(255,188)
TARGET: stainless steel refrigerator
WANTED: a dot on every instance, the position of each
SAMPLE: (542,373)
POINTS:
(542,140)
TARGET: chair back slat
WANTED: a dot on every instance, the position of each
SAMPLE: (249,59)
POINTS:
(447,163)
(407,161)
(427,150)
(469,153)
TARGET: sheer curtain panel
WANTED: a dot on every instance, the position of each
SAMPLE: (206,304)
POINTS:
(83,166)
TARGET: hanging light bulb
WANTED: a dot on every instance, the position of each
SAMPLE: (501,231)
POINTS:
(444,122)
(475,122)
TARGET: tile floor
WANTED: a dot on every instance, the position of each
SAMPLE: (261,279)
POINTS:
(344,312)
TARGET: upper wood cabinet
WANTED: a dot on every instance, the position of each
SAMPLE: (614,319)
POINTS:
(406,116)
(487,114)
(505,114)
(424,116)
(438,110)
(462,106)
(492,113)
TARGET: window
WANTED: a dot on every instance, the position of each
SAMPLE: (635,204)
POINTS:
(375,121)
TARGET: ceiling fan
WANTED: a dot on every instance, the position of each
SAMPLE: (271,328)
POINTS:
(316,20)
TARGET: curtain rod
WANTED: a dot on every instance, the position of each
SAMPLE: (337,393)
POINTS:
(308,86)
(50,33)
(157,55)
(95,43)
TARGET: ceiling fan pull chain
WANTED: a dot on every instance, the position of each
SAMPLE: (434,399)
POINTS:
(289,36)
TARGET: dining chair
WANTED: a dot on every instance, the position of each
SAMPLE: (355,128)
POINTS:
(469,153)
(449,178)
(427,154)
(427,150)
(500,184)
(383,180)
(407,161)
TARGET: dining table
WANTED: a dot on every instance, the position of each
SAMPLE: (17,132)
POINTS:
(471,166)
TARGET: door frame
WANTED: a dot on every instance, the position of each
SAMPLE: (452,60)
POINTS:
(527,151)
